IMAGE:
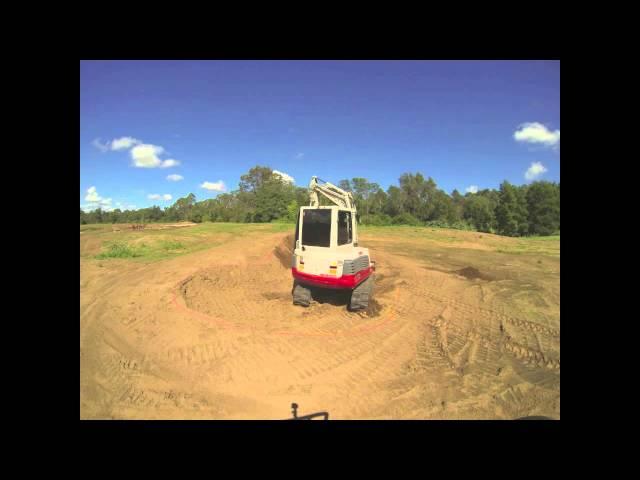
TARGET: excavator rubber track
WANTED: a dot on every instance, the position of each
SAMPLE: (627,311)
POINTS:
(301,295)
(361,295)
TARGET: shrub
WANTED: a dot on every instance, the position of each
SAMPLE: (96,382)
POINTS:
(405,219)
(379,219)
(120,250)
(283,220)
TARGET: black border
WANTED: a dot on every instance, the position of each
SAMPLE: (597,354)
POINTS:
(265,430)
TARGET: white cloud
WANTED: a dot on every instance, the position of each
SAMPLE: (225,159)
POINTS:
(218,186)
(284,176)
(472,189)
(534,132)
(169,163)
(174,177)
(103,147)
(95,200)
(534,171)
(123,143)
(146,155)
(92,195)
(157,196)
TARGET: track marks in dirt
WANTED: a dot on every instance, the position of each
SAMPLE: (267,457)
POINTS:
(198,355)
(531,356)
(478,349)
(463,355)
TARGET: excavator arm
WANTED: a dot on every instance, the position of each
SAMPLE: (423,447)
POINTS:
(335,194)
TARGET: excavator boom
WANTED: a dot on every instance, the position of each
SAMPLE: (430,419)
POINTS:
(335,194)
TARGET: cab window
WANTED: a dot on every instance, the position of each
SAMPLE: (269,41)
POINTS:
(345,234)
(316,227)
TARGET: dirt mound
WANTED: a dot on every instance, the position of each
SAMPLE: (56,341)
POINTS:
(473,273)
(284,250)
(258,294)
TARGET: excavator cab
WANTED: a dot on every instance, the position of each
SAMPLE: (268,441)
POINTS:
(326,251)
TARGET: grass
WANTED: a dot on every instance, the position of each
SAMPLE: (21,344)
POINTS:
(153,250)
(435,234)
(88,228)
(547,245)
(102,242)
(171,245)
(121,250)
(533,246)
(549,238)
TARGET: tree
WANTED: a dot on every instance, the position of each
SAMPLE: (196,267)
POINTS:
(183,207)
(511,213)
(345,185)
(155,214)
(116,216)
(523,210)
(543,201)
(98,214)
(272,199)
(412,187)
(457,202)
(292,211)
(477,209)
(418,195)
(363,192)
(395,201)
(378,201)
(263,197)
(442,208)
(253,180)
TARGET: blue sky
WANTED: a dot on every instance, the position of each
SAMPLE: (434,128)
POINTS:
(464,123)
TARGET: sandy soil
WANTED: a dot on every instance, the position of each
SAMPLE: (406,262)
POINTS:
(455,331)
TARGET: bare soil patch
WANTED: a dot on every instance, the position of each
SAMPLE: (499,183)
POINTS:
(215,335)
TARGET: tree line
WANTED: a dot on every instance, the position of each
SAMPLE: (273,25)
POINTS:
(263,196)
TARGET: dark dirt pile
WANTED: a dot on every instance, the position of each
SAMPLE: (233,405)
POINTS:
(473,273)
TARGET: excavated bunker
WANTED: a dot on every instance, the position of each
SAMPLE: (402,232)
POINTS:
(256,291)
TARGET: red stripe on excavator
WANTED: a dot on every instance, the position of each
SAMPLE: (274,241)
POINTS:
(329,281)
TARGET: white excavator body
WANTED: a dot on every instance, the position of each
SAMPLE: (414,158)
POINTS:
(327,253)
